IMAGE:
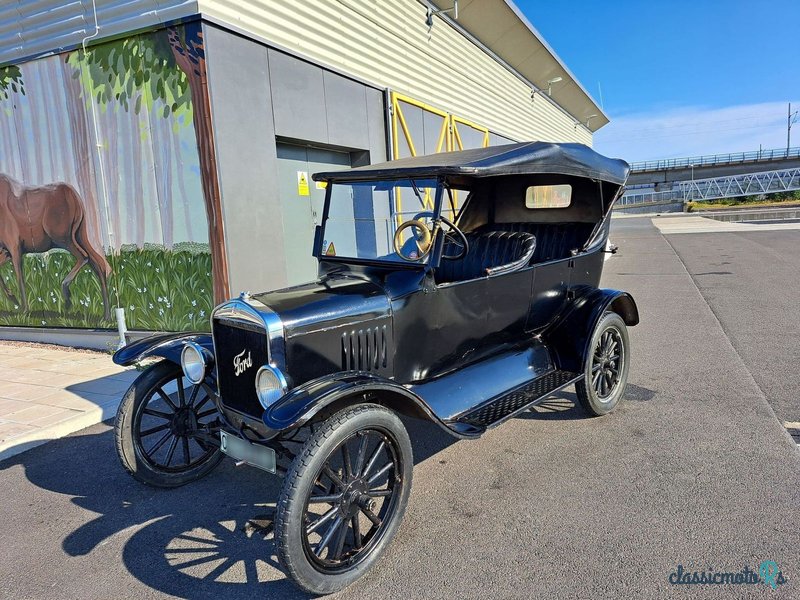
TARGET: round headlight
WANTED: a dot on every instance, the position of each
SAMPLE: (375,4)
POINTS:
(270,385)
(193,362)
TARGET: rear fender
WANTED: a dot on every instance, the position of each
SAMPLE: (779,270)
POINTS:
(165,345)
(570,337)
(329,394)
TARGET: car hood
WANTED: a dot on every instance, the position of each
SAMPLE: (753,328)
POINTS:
(329,302)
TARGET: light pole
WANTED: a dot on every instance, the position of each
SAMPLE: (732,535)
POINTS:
(790,119)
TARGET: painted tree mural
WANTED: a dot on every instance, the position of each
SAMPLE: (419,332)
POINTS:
(127,125)
(10,80)
(169,67)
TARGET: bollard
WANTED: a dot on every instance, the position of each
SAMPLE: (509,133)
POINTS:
(121,327)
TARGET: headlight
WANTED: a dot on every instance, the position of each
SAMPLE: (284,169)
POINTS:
(270,385)
(193,362)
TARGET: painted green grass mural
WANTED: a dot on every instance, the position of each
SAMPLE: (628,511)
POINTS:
(161,290)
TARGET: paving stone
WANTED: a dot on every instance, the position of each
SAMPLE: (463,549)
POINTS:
(47,393)
(39,415)
(9,406)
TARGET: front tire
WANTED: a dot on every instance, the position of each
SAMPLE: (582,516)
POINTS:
(606,372)
(159,425)
(343,498)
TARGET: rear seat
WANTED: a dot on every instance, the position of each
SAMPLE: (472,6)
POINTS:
(553,240)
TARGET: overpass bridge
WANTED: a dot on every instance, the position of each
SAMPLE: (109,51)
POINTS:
(714,188)
(670,170)
(668,183)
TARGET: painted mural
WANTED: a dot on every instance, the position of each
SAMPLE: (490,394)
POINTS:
(108,191)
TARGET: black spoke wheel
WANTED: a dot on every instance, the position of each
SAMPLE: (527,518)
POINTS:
(606,370)
(343,498)
(165,427)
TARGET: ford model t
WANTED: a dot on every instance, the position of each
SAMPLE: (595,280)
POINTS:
(460,288)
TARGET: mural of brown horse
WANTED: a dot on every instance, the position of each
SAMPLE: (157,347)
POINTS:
(38,219)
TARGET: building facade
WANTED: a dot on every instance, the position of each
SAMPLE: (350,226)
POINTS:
(157,156)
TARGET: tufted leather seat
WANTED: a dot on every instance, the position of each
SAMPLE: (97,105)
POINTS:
(553,240)
(489,253)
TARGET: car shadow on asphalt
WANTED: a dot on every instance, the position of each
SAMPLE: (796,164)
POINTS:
(209,539)
(564,406)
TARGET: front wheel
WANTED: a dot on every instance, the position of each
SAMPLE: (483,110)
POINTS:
(606,372)
(163,427)
(343,498)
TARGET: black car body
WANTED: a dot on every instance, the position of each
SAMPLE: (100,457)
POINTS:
(471,320)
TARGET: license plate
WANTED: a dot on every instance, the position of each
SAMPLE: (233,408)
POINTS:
(253,454)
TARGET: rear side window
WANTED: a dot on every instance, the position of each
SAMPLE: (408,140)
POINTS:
(548,196)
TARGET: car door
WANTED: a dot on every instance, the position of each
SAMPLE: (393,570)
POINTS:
(548,294)
(436,328)
(444,326)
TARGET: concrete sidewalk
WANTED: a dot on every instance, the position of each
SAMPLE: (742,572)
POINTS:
(47,392)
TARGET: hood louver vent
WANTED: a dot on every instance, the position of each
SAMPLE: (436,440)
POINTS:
(364,349)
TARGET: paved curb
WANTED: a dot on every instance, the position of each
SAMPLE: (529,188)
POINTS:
(82,420)
(48,392)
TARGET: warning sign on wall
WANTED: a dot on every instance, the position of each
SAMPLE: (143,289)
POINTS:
(302,183)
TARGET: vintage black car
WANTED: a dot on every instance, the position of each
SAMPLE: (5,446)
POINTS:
(459,288)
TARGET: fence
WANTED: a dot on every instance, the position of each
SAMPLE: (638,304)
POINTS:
(716,159)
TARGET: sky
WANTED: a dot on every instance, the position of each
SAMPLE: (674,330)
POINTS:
(681,78)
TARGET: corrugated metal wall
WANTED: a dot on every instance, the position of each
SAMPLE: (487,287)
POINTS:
(387,43)
(32,27)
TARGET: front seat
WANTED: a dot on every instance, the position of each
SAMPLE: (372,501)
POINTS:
(490,253)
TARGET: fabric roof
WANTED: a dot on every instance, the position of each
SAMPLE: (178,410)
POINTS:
(510,159)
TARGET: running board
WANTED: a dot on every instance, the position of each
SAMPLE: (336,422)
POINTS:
(506,406)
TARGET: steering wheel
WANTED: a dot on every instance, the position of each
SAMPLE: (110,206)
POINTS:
(424,241)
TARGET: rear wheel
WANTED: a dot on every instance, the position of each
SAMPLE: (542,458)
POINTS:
(343,498)
(163,425)
(606,373)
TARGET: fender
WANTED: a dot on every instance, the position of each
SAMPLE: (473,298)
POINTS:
(339,390)
(569,338)
(165,345)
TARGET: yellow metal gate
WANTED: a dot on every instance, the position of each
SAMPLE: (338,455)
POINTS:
(418,129)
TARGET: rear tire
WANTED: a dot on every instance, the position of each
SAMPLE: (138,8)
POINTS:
(606,373)
(156,425)
(343,498)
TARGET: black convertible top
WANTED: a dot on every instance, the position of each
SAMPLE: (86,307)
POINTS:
(510,159)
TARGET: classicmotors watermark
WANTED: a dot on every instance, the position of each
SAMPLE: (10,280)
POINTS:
(767,573)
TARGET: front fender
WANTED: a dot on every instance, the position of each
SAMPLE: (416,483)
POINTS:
(570,337)
(339,390)
(165,345)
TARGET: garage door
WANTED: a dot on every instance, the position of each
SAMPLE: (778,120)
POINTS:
(302,201)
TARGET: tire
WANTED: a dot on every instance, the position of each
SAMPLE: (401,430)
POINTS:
(329,558)
(146,411)
(606,372)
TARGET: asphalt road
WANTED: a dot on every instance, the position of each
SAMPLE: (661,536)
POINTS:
(752,283)
(693,469)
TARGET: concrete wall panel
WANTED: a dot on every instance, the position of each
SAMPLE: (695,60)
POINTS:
(239,81)
(346,111)
(298,98)
(376,124)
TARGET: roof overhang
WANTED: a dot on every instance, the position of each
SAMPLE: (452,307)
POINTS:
(502,28)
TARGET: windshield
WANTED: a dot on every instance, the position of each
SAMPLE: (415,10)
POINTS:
(363,218)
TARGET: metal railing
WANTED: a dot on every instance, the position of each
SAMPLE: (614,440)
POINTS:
(650,197)
(716,159)
(731,186)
